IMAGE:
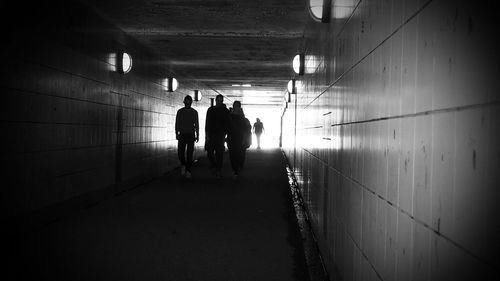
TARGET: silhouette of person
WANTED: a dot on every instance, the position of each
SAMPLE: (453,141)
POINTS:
(258,129)
(186,133)
(216,127)
(238,131)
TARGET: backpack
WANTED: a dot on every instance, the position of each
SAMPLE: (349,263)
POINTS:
(247,134)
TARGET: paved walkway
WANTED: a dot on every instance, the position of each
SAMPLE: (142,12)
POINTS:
(174,228)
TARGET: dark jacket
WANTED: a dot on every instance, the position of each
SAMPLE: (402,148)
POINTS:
(239,131)
(186,121)
(217,121)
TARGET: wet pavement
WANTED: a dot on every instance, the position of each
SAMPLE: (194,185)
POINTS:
(175,228)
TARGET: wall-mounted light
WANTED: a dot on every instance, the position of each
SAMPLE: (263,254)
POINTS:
(197,95)
(170,84)
(123,63)
(320,10)
(299,64)
(293,85)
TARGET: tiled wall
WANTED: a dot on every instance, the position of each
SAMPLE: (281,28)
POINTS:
(71,126)
(397,133)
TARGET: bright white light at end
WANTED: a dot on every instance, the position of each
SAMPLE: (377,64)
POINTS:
(296,64)
(246,85)
(126,63)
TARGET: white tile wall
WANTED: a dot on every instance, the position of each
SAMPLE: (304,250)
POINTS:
(414,156)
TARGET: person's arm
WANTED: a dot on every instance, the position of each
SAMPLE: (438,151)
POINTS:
(177,125)
(207,124)
(226,120)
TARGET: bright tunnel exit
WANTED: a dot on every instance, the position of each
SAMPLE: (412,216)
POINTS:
(270,116)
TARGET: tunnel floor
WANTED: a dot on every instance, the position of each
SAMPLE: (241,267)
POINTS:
(174,228)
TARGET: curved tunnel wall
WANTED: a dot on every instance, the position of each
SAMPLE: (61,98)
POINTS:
(74,130)
(396,145)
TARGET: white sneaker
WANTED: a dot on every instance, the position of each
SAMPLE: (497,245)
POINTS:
(188,175)
(183,170)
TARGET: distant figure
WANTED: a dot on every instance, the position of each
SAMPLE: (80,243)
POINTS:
(258,129)
(216,127)
(186,133)
(237,137)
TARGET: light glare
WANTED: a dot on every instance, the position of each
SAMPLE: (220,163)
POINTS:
(296,64)
(126,63)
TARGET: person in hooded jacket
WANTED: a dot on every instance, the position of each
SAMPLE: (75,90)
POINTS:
(238,132)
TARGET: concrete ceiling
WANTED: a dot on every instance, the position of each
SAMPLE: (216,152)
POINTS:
(218,42)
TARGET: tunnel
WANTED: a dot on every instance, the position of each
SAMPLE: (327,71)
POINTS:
(379,160)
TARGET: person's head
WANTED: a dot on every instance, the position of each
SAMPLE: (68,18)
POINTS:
(219,99)
(237,104)
(258,120)
(188,100)
(237,108)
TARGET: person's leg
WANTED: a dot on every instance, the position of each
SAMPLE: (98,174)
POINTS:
(219,154)
(233,157)
(210,152)
(258,140)
(243,157)
(181,148)
(189,154)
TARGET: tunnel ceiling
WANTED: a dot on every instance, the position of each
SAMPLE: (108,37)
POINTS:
(218,42)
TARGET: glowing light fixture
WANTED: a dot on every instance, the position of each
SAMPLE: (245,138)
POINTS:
(298,64)
(124,63)
(171,84)
(242,85)
(320,10)
(197,95)
(293,85)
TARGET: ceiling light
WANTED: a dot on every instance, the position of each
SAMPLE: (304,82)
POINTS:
(170,84)
(246,85)
(320,10)
(298,64)
(197,95)
(124,63)
(291,87)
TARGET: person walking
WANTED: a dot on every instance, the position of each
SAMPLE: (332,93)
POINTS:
(258,129)
(239,128)
(186,133)
(216,127)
